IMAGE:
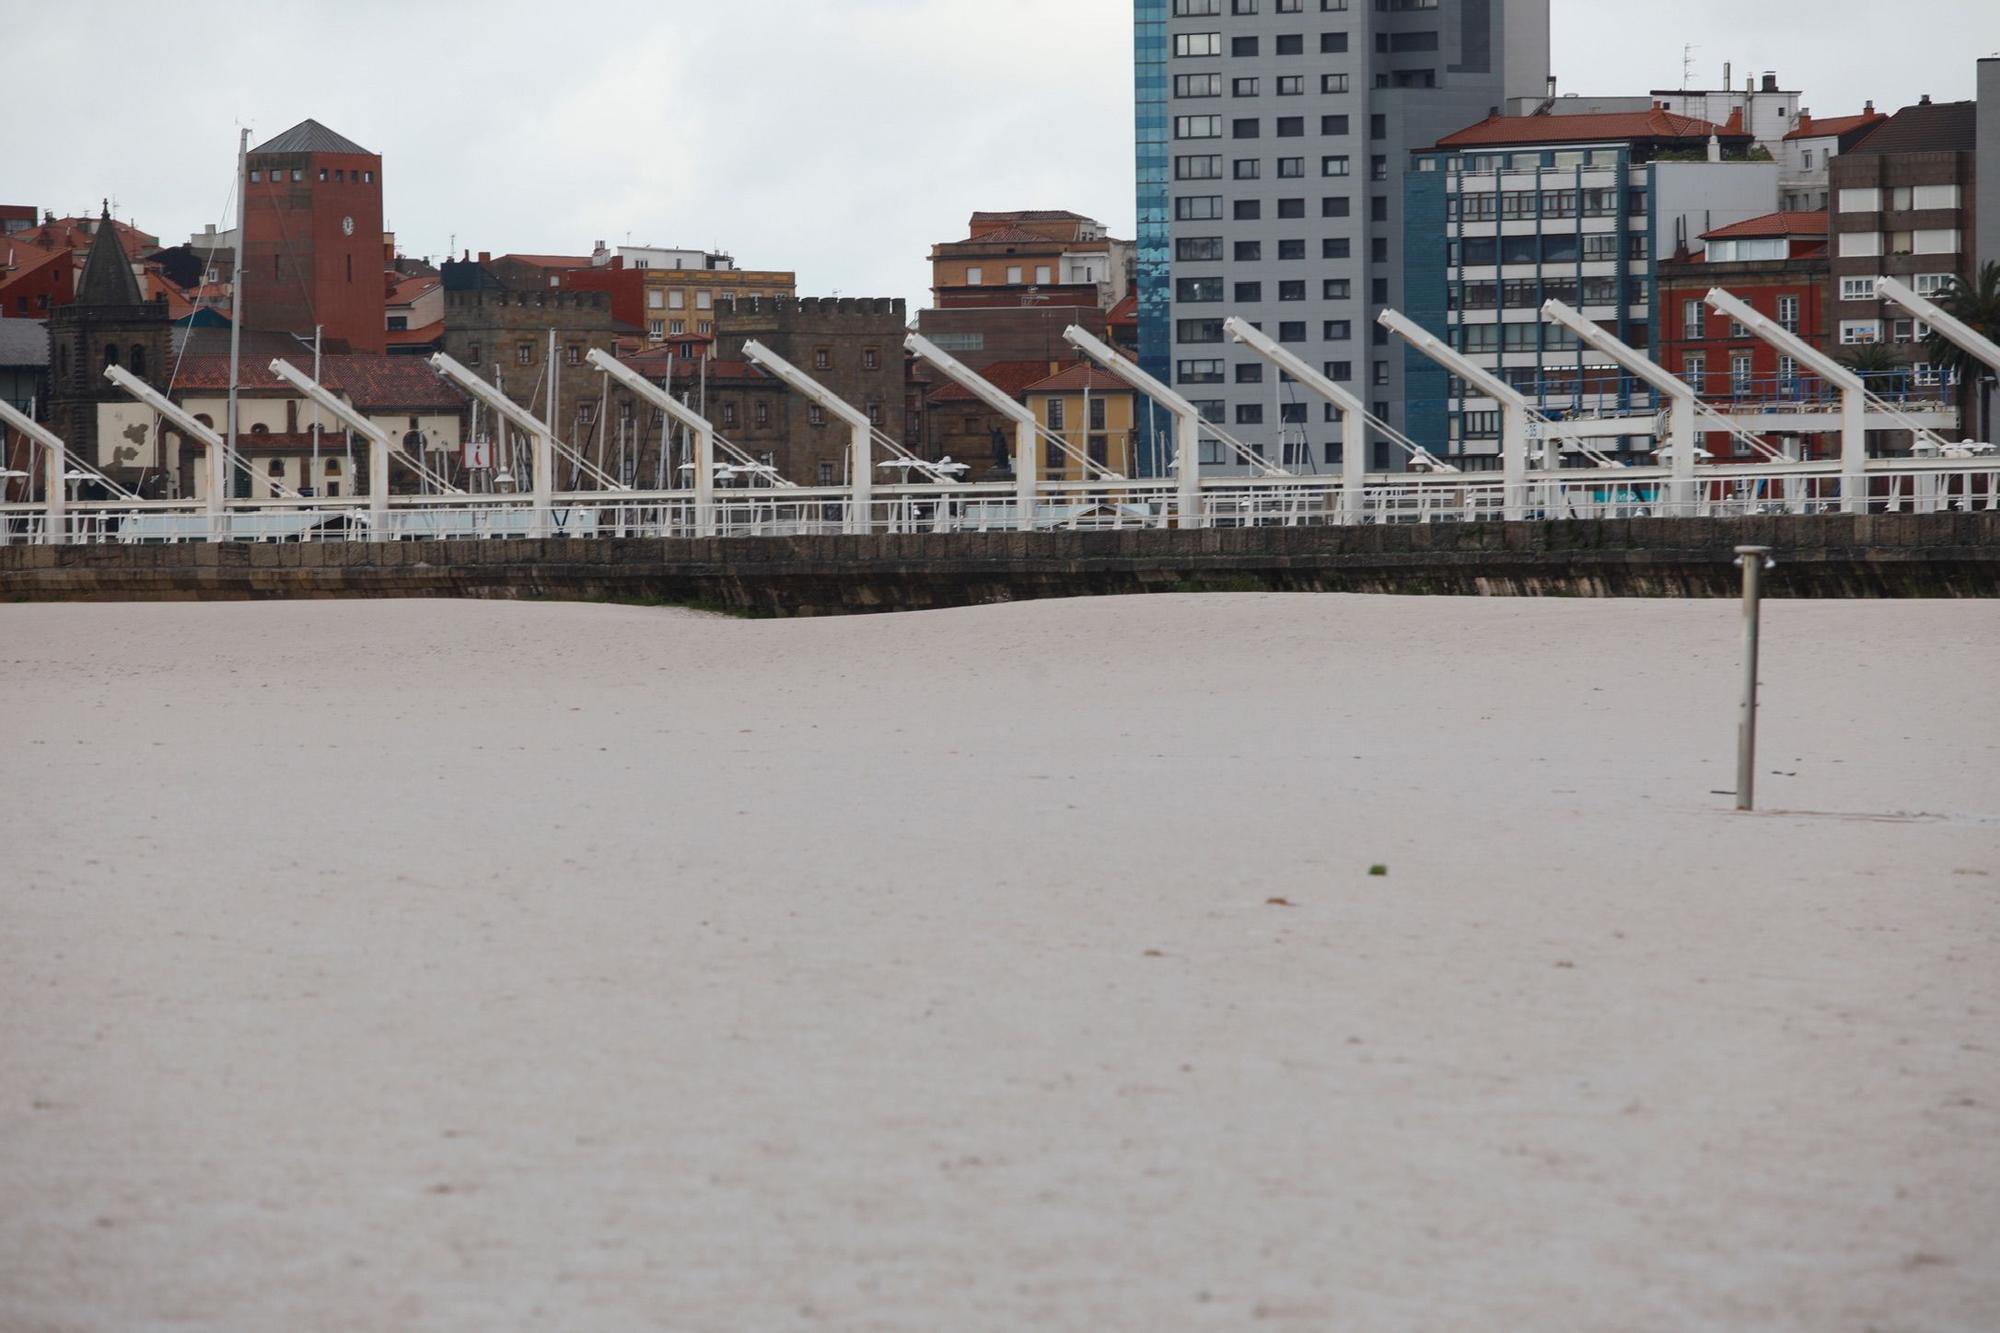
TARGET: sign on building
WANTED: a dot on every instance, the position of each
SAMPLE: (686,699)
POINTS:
(478,452)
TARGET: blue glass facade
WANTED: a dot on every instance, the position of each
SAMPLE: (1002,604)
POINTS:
(1155,245)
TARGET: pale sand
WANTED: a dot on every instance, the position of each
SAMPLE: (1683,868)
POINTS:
(486,967)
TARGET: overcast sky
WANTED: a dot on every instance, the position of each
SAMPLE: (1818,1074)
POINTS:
(839,138)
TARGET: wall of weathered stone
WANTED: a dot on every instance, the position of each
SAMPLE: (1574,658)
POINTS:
(1908,555)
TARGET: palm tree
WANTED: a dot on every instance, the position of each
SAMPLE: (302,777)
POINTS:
(1977,306)
(1873,362)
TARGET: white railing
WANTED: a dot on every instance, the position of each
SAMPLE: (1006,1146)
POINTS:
(1721,491)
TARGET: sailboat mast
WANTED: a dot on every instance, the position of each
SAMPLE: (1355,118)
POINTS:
(219,468)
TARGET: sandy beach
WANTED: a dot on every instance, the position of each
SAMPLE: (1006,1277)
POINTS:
(463,966)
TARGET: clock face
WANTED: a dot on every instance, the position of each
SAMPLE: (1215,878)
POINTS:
(347,226)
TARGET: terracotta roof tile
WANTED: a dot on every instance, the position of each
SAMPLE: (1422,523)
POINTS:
(1835,126)
(1010,377)
(1078,378)
(1504,131)
(371,383)
(1772,225)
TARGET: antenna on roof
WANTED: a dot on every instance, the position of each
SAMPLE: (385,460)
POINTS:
(1687,65)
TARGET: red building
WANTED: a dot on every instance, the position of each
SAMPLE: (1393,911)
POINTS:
(312,243)
(1777,264)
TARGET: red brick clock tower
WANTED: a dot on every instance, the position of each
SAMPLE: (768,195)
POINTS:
(312,240)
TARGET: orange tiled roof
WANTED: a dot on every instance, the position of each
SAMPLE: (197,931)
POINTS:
(1834,126)
(1010,377)
(1771,225)
(1077,379)
(1504,131)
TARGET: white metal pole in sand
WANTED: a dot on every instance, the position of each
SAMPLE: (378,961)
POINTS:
(1754,560)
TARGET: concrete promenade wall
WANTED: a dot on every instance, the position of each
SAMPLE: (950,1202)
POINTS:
(1897,555)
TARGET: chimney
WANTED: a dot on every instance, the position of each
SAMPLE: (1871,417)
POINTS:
(1805,123)
(485,256)
(1868,108)
(1925,100)
(1728,76)
(1770,81)
(1735,123)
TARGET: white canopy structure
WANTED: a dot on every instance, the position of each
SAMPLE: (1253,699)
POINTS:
(1514,410)
(542,522)
(1680,395)
(54,465)
(703,463)
(1187,419)
(218,452)
(860,430)
(1353,412)
(1853,392)
(1025,425)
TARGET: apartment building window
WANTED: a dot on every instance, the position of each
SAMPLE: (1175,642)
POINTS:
(1198,208)
(825,472)
(1247,128)
(815,415)
(1332,43)
(1247,210)
(1197,127)
(1378,374)
(1292,331)
(1197,85)
(1290,168)
(1338,371)
(1336,289)
(1291,208)
(1858,289)
(1197,291)
(472,354)
(1243,47)
(1198,331)
(1013,275)
(1740,382)
(1250,374)
(729,414)
(572,355)
(524,354)
(874,414)
(1934,241)
(1292,85)
(1335,206)
(1788,313)
(1246,169)
(1336,247)
(822,358)
(676,327)
(1195,249)
(1860,332)
(1201,371)
(1333,125)
(1860,244)
(1190,45)
(1292,290)
(1291,127)
(1333,165)
(1333,83)
(1184,9)
(871,358)
(1203,167)
(1243,87)
(1342,330)
(1694,369)
(1933,284)
(1291,249)
(1249,293)
(1249,414)
(1248,252)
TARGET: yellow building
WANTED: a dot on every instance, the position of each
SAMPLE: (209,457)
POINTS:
(1091,412)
